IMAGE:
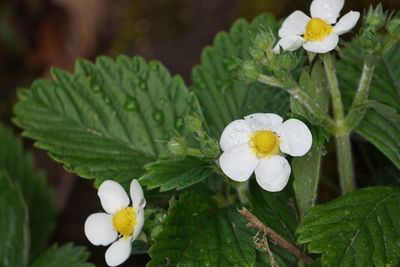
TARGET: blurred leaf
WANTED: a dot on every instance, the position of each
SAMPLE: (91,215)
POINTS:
(381,130)
(37,194)
(108,119)
(277,211)
(64,256)
(197,233)
(216,80)
(359,229)
(306,169)
(14,229)
(176,173)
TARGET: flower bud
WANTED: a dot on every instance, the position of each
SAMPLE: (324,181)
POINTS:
(250,71)
(193,123)
(177,146)
(375,17)
(393,26)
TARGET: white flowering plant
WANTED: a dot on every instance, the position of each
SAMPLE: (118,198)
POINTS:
(284,151)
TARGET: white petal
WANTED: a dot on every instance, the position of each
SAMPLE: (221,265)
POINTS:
(295,138)
(295,24)
(235,134)
(99,229)
(139,223)
(273,173)
(238,163)
(112,196)
(136,193)
(328,44)
(264,121)
(347,22)
(289,43)
(328,10)
(118,252)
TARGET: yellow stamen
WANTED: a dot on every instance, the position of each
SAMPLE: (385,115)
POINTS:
(124,221)
(265,143)
(316,30)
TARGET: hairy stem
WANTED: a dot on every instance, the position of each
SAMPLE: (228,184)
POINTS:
(309,104)
(342,133)
(359,106)
(333,88)
(254,222)
(345,163)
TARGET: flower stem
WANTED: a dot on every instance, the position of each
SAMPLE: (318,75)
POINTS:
(342,133)
(334,88)
(345,163)
(320,116)
(359,106)
(243,188)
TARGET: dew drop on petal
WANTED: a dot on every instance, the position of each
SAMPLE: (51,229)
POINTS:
(238,128)
(326,5)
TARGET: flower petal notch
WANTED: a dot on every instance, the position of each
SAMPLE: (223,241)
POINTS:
(258,144)
(121,224)
(317,33)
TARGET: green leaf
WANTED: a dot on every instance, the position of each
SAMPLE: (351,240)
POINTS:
(108,119)
(64,256)
(381,130)
(14,229)
(277,211)
(176,173)
(216,80)
(360,229)
(197,233)
(306,169)
(37,194)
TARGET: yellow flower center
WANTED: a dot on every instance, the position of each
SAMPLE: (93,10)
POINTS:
(264,143)
(316,30)
(124,221)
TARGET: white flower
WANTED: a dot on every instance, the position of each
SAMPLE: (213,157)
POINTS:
(257,144)
(121,221)
(317,34)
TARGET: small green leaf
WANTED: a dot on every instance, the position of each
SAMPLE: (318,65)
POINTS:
(64,256)
(176,173)
(37,194)
(108,119)
(197,233)
(14,229)
(306,169)
(360,229)
(277,211)
(381,130)
(216,80)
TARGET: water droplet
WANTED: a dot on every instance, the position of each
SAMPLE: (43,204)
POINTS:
(107,100)
(96,88)
(326,5)
(143,85)
(162,100)
(238,128)
(179,123)
(347,212)
(131,104)
(158,116)
(323,151)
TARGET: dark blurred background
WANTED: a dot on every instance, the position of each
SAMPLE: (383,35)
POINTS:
(36,35)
